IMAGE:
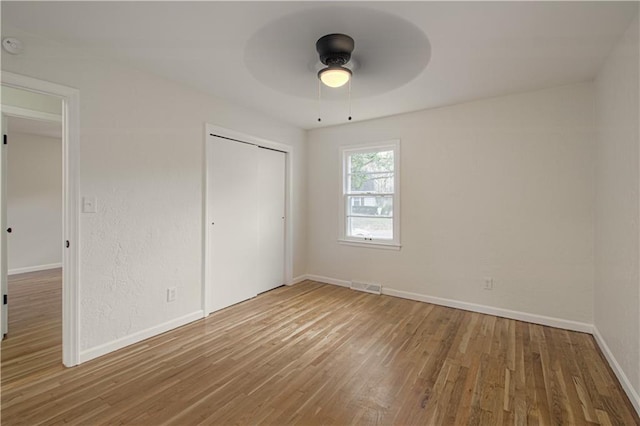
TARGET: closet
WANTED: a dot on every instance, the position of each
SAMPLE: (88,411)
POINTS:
(246,220)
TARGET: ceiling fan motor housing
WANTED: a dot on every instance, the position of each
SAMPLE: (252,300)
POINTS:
(335,49)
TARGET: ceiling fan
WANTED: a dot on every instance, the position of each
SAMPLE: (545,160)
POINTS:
(335,52)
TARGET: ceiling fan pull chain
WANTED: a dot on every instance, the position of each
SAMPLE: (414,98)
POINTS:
(319,93)
(350,99)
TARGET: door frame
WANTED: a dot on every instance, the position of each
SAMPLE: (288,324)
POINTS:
(288,228)
(70,206)
(4,258)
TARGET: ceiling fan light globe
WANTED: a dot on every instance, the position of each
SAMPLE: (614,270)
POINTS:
(334,76)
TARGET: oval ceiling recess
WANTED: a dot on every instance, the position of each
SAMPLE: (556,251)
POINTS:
(389,51)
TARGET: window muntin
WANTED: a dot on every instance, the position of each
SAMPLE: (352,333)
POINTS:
(370,194)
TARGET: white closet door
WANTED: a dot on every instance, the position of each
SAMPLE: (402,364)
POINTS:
(271,219)
(233,221)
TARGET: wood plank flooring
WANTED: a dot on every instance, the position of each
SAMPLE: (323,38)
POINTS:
(310,354)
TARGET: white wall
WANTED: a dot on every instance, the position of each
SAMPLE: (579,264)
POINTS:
(142,151)
(498,188)
(617,260)
(34,201)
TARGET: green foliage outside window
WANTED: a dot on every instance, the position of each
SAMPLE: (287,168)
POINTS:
(371,167)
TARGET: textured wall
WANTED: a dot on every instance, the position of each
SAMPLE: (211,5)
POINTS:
(617,281)
(498,188)
(34,200)
(142,149)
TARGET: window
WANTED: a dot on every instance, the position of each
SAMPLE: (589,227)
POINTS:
(370,202)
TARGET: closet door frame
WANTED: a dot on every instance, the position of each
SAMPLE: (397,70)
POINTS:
(211,129)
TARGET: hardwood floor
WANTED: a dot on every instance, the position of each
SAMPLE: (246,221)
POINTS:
(310,354)
(34,342)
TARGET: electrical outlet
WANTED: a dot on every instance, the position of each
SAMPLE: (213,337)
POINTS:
(171,294)
(488,283)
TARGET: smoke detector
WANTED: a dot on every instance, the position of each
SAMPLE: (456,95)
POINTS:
(12,45)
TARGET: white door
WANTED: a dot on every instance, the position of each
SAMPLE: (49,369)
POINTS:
(4,315)
(233,221)
(271,219)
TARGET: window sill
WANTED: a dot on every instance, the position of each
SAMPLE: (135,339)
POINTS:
(370,244)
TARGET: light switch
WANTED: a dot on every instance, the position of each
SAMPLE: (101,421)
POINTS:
(89,205)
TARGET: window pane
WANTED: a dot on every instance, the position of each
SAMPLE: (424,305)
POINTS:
(370,227)
(368,162)
(370,206)
(369,189)
(371,182)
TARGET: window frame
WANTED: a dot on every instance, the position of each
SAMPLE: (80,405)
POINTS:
(345,152)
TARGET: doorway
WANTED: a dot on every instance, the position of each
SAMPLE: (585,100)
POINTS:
(69,119)
(34,195)
(32,210)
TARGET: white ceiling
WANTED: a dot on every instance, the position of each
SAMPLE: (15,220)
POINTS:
(413,55)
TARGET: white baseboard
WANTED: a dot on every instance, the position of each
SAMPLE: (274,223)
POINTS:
(36,268)
(473,307)
(622,377)
(328,280)
(114,345)
(491,310)
(298,279)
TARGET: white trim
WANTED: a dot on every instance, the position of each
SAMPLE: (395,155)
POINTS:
(70,207)
(343,238)
(492,310)
(288,242)
(15,111)
(619,372)
(370,244)
(328,280)
(4,259)
(233,134)
(95,352)
(298,279)
(36,268)
(204,292)
(473,307)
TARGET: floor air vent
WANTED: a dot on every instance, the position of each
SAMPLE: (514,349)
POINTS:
(367,287)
